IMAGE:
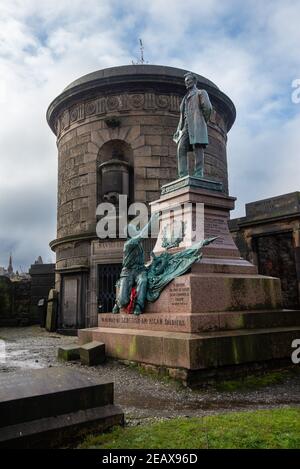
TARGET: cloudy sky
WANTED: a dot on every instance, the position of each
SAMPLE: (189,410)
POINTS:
(249,48)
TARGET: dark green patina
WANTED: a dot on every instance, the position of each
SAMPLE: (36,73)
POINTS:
(149,281)
(192,134)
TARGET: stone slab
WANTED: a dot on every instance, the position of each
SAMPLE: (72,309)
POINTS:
(197,351)
(51,317)
(68,352)
(60,430)
(191,181)
(92,353)
(43,393)
(205,322)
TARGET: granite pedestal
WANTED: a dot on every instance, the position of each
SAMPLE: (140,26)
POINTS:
(222,313)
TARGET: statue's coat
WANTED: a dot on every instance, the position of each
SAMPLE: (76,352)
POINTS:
(198,111)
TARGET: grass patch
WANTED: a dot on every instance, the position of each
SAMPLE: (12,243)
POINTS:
(279,428)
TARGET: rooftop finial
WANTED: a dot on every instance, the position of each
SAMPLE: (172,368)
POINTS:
(142,51)
(141,60)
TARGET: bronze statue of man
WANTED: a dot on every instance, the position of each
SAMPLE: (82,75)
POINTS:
(191,134)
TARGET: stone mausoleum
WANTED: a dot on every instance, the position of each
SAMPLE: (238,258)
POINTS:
(114,132)
(269,237)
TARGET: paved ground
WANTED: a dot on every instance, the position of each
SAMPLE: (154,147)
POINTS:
(141,396)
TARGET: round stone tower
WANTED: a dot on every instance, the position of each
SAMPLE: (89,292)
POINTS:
(114,132)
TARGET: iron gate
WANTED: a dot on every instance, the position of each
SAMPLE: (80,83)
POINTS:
(108,274)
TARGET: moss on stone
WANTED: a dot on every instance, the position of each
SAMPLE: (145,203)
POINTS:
(253,381)
(118,350)
(69,352)
(132,348)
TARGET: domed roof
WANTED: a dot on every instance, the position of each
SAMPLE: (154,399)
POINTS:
(134,78)
(135,71)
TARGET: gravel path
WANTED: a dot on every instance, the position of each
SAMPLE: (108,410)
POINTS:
(141,396)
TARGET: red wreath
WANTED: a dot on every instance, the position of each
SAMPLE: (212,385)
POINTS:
(130,307)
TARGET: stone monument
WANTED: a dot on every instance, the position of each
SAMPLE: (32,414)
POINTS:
(218,312)
(114,132)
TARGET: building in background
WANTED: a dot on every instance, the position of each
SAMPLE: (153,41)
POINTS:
(9,272)
(42,280)
(114,131)
(269,236)
(21,292)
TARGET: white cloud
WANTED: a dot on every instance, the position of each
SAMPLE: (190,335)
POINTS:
(249,49)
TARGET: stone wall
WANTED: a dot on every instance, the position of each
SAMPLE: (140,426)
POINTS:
(5,299)
(269,237)
(15,300)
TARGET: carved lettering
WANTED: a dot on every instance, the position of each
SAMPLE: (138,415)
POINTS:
(143,320)
(122,102)
(179,294)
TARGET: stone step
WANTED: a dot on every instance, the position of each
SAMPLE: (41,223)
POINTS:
(54,432)
(259,319)
(68,352)
(203,322)
(51,391)
(53,406)
(92,353)
(229,265)
(195,351)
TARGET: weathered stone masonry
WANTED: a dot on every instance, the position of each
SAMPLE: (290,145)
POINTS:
(133,110)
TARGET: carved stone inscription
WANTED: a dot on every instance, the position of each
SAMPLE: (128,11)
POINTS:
(179,294)
(119,320)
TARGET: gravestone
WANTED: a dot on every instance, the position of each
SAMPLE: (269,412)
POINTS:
(52,407)
(52,307)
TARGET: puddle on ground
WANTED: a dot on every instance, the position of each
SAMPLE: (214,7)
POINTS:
(21,358)
(15,365)
(156,404)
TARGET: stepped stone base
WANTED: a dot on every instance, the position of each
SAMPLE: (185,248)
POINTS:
(201,351)
(221,314)
(203,322)
(207,322)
